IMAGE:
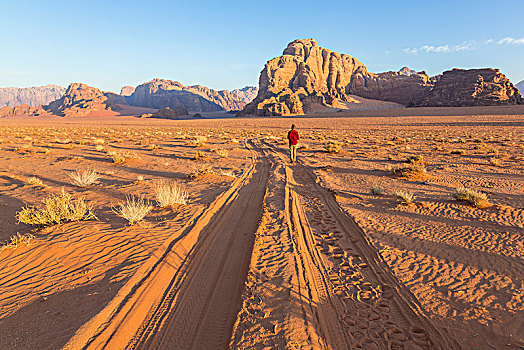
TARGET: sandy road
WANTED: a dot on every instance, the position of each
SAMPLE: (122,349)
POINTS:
(312,280)
(187,294)
(342,293)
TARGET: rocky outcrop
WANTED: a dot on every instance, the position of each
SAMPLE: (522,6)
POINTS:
(127,90)
(471,87)
(162,93)
(22,110)
(31,96)
(168,113)
(79,100)
(114,98)
(307,75)
(246,94)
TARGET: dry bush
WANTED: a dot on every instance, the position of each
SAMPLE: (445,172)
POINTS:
(17,240)
(227,172)
(405,197)
(409,171)
(56,209)
(333,147)
(476,199)
(222,153)
(494,161)
(34,181)
(377,190)
(458,151)
(418,159)
(84,178)
(199,172)
(134,209)
(99,148)
(199,155)
(118,158)
(169,192)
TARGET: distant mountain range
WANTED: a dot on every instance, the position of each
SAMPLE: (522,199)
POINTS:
(31,96)
(80,99)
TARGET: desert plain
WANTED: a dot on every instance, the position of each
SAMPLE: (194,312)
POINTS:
(361,244)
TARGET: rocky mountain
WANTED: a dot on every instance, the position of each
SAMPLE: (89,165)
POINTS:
(79,100)
(127,90)
(246,94)
(471,87)
(31,96)
(22,110)
(520,86)
(407,71)
(307,74)
(162,93)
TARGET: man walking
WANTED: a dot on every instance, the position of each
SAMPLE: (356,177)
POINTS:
(293,138)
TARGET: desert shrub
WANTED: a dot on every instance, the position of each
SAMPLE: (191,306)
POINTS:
(169,193)
(99,148)
(118,158)
(227,172)
(222,152)
(405,197)
(494,161)
(198,172)
(84,178)
(56,209)
(199,155)
(476,199)
(418,159)
(409,170)
(17,240)
(34,181)
(458,151)
(134,209)
(377,190)
(333,147)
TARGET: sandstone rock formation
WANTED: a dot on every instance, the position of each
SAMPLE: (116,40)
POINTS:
(22,110)
(79,100)
(471,87)
(127,90)
(161,93)
(307,75)
(31,96)
(168,113)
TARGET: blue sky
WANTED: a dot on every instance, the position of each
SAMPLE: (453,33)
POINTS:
(224,44)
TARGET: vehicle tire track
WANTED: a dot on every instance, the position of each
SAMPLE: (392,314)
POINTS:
(357,296)
(212,251)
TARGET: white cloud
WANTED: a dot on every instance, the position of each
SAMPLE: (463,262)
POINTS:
(441,48)
(513,41)
(468,45)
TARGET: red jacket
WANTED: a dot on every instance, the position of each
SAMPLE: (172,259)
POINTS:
(293,137)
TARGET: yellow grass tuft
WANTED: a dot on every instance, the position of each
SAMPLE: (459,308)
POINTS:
(134,209)
(405,197)
(84,178)
(17,240)
(476,199)
(169,192)
(56,209)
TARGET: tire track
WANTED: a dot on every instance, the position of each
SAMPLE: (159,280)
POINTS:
(203,266)
(358,299)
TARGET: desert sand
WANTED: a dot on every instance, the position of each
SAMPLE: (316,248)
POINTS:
(268,254)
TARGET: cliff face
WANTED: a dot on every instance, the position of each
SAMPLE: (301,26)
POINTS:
(472,87)
(31,96)
(79,100)
(22,110)
(161,93)
(307,73)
